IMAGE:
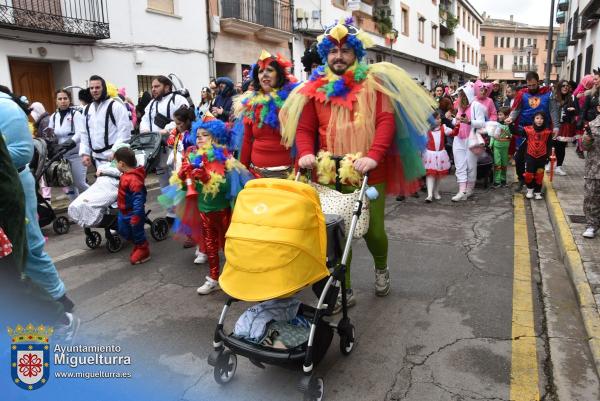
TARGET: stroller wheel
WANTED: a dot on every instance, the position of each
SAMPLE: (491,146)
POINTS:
(225,367)
(159,229)
(316,389)
(347,337)
(93,239)
(114,244)
(61,225)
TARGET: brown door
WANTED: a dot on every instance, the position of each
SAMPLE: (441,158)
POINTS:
(34,80)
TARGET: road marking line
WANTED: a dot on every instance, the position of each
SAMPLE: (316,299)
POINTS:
(524,366)
(68,255)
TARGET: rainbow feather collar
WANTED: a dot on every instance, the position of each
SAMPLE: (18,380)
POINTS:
(263,108)
(325,86)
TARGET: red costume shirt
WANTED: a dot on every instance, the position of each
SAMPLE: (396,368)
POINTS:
(262,147)
(316,117)
(538,142)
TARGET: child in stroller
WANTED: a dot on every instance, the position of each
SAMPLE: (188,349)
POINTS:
(96,207)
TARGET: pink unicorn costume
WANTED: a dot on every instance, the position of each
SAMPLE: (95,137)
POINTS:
(465,161)
(485,100)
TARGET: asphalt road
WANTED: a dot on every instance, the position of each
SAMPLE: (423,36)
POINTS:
(443,333)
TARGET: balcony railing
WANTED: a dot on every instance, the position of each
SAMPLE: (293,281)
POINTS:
(560,17)
(563,5)
(79,18)
(270,13)
(534,51)
(524,67)
(562,45)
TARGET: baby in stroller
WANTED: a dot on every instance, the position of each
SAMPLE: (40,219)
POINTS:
(96,207)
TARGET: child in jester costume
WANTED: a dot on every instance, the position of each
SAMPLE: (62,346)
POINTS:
(203,189)
(375,116)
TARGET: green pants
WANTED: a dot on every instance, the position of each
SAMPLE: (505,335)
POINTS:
(500,161)
(376,238)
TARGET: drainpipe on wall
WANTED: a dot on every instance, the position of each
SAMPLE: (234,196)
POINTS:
(211,42)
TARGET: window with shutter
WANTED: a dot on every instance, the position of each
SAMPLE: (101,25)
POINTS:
(165,6)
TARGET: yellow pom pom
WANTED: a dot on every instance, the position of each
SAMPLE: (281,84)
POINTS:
(213,186)
(325,168)
(111,90)
(174,179)
(348,175)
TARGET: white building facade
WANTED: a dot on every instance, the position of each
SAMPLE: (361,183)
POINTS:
(430,35)
(576,51)
(45,46)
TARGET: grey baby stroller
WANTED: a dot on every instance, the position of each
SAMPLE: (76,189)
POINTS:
(96,209)
(48,162)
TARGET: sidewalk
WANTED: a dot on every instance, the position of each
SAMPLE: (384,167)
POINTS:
(581,256)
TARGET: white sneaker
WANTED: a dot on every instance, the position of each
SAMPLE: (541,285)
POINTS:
(547,167)
(66,333)
(437,196)
(209,286)
(200,258)
(460,196)
(429,199)
(529,194)
(559,171)
(589,232)
(538,196)
(382,282)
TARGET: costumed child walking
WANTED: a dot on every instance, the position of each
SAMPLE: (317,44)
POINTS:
(131,200)
(212,178)
(591,194)
(500,142)
(539,142)
(435,158)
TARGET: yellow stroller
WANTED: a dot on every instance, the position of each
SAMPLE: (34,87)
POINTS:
(278,243)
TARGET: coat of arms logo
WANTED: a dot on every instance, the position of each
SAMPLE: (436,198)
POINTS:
(30,355)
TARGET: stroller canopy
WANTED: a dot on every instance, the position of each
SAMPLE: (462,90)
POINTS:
(276,243)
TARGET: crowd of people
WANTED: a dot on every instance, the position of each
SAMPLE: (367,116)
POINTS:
(374,117)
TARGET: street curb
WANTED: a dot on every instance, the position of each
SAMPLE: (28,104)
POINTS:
(573,263)
(62,208)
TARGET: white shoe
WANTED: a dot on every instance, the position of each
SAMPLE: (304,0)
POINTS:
(437,196)
(460,196)
(559,171)
(209,286)
(200,258)
(538,196)
(529,194)
(547,167)
(429,199)
(382,282)
(589,232)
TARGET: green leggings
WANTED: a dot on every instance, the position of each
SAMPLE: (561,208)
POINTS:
(376,238)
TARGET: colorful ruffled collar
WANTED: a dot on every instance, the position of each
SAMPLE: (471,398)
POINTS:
(325,86)
(263,108)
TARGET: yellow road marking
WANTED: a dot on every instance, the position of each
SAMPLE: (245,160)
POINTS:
(524,367)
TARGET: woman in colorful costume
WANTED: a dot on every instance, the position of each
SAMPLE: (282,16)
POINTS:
(262,151)
(374,116)
(203,189)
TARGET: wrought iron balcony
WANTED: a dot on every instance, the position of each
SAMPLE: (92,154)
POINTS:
(560,17)
(563,5)
(275,14)
(78,18)
(524,67)
(562,45)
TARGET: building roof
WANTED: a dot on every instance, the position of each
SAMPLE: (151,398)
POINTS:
(511,24)
(473,10)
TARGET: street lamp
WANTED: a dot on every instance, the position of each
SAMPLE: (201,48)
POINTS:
(391,38)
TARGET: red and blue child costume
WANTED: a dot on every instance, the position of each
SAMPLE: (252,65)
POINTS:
(131,200)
